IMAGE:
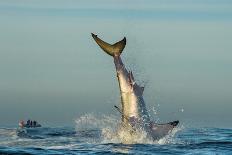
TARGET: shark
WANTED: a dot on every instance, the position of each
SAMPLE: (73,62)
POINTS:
(134,114)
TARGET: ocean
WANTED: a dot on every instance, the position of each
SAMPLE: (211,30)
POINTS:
(91,135)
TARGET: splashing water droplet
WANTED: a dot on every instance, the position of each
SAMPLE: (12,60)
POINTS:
(112,131)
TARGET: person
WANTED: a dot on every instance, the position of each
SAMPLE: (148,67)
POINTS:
(28,122)
(21,123)
(34,123)
(31,124)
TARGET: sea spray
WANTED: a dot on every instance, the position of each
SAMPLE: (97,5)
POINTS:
(110,130)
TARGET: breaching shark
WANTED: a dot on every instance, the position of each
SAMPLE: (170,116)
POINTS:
(133,110)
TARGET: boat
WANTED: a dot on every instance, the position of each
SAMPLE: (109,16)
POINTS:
(29,124)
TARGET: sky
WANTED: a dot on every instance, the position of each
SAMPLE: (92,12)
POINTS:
(52,71)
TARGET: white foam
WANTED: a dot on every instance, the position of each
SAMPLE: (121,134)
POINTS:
(58,147)
(112,132)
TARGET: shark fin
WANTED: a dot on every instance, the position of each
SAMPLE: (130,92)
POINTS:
(114,49)
(131,78)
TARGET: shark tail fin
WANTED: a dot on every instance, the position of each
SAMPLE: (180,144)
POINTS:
(114,49)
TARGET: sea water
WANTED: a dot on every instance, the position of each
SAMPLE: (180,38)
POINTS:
(92,135)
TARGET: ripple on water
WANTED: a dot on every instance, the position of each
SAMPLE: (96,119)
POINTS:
(100,137)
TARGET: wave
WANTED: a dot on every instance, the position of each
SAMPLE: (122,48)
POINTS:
(102,134)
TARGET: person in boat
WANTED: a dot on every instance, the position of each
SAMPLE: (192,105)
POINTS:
(28,122)
(21,124)
(34,123)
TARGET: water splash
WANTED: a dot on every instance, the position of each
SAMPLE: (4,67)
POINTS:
(112,131)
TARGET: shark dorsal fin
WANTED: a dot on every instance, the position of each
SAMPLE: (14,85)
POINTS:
(131,78)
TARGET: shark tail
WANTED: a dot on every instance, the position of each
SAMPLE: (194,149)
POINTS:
(111,49)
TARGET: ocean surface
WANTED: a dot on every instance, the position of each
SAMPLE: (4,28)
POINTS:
(100,136)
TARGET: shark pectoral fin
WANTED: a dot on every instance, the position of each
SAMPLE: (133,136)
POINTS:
(113,50)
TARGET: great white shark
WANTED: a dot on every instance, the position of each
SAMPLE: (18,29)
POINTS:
(133,109)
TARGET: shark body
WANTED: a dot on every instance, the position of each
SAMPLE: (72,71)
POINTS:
(133,109)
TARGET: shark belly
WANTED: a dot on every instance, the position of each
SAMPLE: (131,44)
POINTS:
(128,107)
(132,103)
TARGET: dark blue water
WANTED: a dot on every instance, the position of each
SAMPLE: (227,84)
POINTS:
(93,140)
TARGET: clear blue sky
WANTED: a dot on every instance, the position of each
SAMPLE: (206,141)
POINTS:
(51,69)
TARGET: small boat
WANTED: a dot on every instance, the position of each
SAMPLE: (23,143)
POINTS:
(29,124)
